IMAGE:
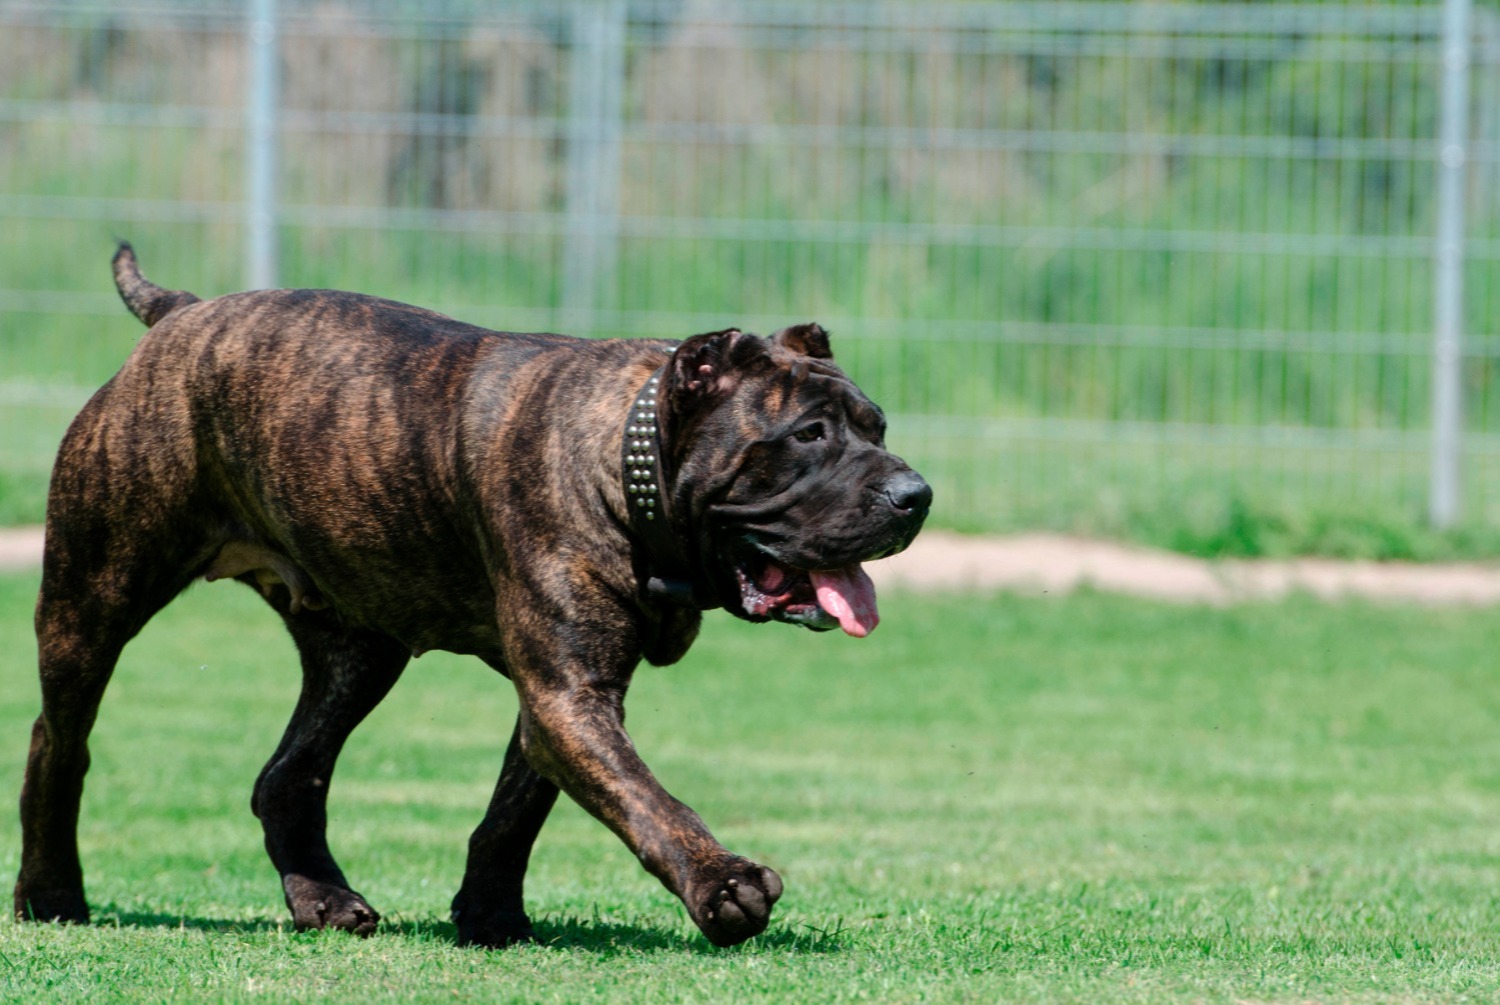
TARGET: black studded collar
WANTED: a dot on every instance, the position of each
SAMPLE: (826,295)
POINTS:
(669,575)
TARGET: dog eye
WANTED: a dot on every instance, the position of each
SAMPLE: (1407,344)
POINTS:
(809,434)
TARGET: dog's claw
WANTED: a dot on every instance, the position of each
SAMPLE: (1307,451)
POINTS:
(741,908)
(321,905)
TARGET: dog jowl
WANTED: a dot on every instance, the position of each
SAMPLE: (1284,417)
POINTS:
(393,481)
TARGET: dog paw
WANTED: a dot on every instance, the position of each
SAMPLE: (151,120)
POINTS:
(322,905)
(495,928)
(738,905)
(63,906)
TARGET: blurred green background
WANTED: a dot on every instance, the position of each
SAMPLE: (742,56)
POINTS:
(1162,272)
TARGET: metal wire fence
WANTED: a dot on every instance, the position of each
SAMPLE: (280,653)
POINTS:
(1105,264)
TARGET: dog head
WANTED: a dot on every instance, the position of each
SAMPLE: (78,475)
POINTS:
(781,478)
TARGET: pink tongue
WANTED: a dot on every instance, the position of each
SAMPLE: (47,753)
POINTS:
(848,595)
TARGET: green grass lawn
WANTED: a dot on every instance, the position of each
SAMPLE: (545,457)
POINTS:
(1004,799)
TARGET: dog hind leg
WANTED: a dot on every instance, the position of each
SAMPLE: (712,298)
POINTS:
(345,673)
(92,601)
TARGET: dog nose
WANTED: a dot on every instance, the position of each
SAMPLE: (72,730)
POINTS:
(908,492)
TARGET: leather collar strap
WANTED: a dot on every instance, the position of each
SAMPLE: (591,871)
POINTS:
(669,575)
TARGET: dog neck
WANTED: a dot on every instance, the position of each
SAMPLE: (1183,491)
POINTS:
(669,576)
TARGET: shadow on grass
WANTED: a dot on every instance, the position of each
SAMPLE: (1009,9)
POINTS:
(109,916)
(613,938)
(605,938)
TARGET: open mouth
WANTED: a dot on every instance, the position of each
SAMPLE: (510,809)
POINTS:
(820,599)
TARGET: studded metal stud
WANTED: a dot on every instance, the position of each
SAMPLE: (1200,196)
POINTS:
(640,460)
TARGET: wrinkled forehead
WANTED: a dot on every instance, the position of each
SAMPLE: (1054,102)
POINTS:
(812,384)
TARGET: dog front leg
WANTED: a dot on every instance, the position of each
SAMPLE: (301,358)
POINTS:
(488,908)
(572,732)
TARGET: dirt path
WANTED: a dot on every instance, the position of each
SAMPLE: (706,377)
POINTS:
(1051,563)
(20,547)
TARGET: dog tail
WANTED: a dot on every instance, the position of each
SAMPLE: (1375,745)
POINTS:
(145,299)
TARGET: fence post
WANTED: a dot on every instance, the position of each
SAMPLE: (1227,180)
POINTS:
(596,86)
(260,148)
(1448,286)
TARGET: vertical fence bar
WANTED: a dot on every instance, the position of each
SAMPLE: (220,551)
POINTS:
(596,86)
(1448,289)
(260,143)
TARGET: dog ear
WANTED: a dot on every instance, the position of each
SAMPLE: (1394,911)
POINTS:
(810,339)
(709,366)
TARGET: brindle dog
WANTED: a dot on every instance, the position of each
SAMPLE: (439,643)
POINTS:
(395,481)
